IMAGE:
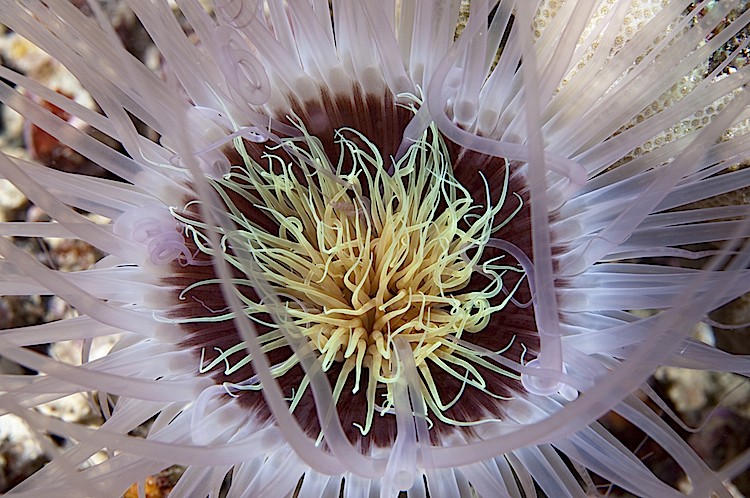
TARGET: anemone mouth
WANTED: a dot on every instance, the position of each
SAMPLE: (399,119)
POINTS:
(362,247)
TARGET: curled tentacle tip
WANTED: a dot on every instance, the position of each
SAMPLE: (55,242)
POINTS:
(541,383)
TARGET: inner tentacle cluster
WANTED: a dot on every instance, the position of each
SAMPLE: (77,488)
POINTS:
(364,252)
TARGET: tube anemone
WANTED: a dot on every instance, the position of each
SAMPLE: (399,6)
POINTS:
(416,247)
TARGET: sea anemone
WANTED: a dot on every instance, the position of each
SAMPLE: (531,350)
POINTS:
(367,248)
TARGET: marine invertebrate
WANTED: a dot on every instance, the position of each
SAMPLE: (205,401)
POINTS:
(372,254)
